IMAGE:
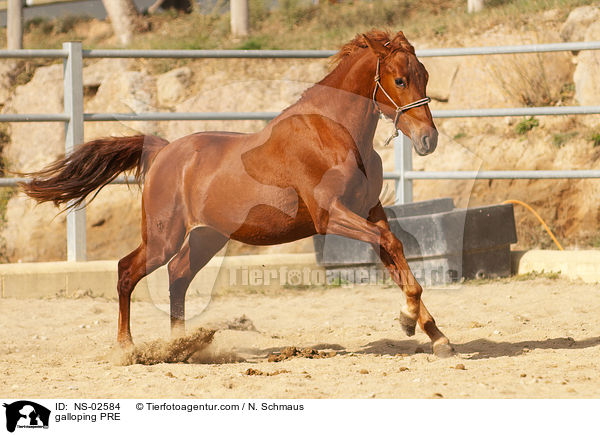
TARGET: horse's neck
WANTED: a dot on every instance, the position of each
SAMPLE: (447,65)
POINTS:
(345,97)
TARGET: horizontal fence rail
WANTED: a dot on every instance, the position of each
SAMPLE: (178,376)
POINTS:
(267,116)
(421,175)
(492,175)
(208,54)
(297,54)
(11,182)
(322,54)
(35,53)
(34,117)
(181,116)
(516,111)
(14,181)
(30,3)
(509,49)
(72,55)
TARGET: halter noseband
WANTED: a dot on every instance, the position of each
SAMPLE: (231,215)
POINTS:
(399,109)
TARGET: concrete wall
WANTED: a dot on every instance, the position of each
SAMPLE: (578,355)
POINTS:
(247,272)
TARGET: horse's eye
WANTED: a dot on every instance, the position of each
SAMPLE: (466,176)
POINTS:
(400,82)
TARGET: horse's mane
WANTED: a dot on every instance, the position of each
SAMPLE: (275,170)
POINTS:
(398,42)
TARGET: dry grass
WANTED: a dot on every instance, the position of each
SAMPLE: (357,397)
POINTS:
(528,81)
(300,24)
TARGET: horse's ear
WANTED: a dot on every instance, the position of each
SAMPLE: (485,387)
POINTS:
(376,47)
(401,41)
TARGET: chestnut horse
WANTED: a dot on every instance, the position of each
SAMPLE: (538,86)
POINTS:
(312,170)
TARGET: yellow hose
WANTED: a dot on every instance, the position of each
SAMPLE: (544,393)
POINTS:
(515,201)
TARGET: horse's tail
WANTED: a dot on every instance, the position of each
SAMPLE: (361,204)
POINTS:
(91,167)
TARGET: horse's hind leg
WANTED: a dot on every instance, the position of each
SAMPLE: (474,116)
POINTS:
(132,268)
(201,245)
(156,249)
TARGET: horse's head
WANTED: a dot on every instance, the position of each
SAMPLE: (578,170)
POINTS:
(403,80)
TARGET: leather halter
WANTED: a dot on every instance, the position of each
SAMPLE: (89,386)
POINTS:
(399,109)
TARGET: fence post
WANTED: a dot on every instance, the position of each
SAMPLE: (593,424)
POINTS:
(403,163)
(475,6)
(73,94)
(240,21)
(14,25)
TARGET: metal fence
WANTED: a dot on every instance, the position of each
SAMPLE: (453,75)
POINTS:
(30,3)
(74,116)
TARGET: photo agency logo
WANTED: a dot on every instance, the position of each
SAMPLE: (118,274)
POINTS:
(25,414)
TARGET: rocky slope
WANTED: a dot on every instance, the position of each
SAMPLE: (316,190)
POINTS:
(37,233)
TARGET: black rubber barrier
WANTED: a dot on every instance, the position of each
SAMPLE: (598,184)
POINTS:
(442,244)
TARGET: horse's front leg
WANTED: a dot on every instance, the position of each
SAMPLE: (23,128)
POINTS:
(341,221)
(441,344)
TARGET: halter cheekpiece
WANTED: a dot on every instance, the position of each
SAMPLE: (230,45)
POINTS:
(399,109)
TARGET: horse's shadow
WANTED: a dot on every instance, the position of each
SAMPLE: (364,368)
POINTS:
(483,348)
(476,349)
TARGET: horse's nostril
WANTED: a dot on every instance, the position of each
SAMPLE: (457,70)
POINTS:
(429,142)
(426,142)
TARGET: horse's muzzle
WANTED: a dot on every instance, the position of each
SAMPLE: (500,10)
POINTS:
(427,143)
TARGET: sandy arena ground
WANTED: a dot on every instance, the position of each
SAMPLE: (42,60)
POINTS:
(527,339)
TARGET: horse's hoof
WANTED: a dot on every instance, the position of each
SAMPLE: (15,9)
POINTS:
(125,344)
(407,324)
(443,350)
